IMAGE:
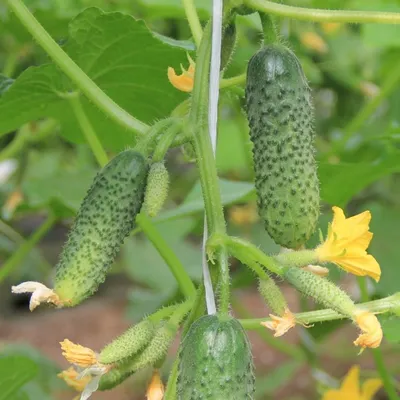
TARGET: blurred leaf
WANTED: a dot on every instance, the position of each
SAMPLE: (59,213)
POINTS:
(340,182)
(379,35)
(231,192)
(122,56)
(45,382)
(275,379)
(51,181)
(5,83)
(384,245)
(15,371)
(391,329)
(146,267)
(174,8)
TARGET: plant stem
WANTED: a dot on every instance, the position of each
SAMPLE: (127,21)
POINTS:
(269,30)
(165,141)
(387,380)
(314,14)
(170,392)
(205,160)
(276,343)
(178,270)
(88,131)
(246,252)
(74,72)
(193,19)
(387,304)
(235,80)
(19,255)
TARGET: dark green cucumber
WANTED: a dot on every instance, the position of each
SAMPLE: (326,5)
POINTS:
(106,216)
(215,361)
(281,118)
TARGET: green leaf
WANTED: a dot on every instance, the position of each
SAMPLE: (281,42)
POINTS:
(15,371)
(52,180)
(384,245)
(5,83)
(231,192)
(391,329)
(122,56)
(340,182)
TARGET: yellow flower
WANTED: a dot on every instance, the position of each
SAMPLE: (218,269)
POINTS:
(372,334)
(350,389)
(155,390)
(183,82)
(86,368)
(280,324)
(312,41)
(71,378)
(347,242)
(78,355)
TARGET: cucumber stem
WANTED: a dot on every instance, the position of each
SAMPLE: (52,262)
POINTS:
(88,131)
(387,304)
(176,267)
(314,14)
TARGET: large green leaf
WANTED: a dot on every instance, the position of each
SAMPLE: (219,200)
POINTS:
(122,56)
(15,371)
(173,8)
(340,182)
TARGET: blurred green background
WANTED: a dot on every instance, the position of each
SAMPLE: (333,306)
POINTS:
(46,168)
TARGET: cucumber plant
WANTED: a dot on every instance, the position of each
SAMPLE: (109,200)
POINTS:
(215,359)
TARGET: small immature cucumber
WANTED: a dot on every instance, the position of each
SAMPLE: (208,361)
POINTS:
(106,216)
(215,361)
(281,119)
(156,190)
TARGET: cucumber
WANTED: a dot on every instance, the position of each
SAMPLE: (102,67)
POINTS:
(156,189)
(215,361)
(106,216)
(281,119)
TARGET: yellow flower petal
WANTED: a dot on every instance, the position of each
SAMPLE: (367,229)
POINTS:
(280,324)
(350,390)
(369,388)
(70,376)
(372,334)
(155,390)
(185,81)
(330,27)
(347,242)
(78,355)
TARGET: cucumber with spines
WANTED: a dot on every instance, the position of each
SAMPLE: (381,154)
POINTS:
(106,217)
(215,361)
(281,119)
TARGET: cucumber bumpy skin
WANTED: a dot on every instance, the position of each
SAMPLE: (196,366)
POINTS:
(281,119)
(106,217)
(215,361)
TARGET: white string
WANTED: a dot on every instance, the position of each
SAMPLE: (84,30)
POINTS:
(212,127)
